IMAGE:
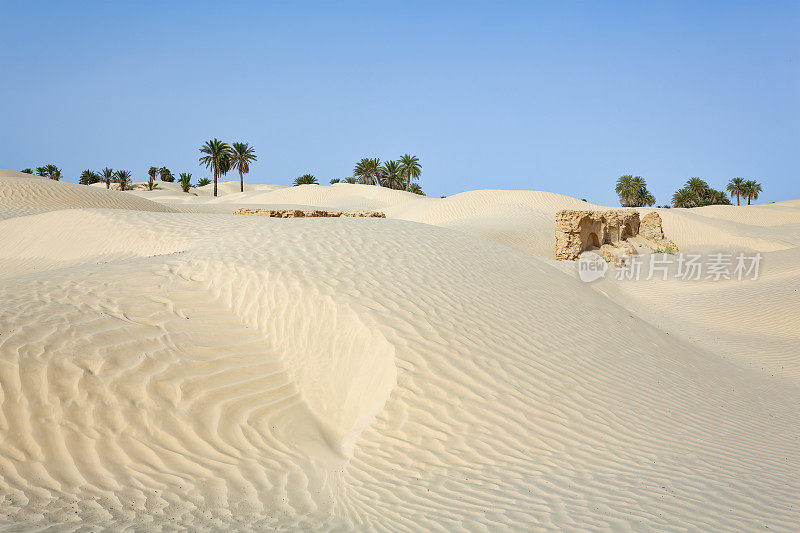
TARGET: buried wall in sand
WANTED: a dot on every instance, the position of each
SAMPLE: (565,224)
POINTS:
(297,213)
(607,232)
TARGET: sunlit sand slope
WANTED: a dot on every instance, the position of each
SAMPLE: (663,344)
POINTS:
(231,372)
(348,196)
(24,194)
(524,220)
(755,324)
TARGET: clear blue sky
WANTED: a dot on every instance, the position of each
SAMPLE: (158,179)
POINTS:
(556,96)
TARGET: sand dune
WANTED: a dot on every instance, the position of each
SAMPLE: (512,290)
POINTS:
(435,370)
(520,219)
(345,196)
(25,194)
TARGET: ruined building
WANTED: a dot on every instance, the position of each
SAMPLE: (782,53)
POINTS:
(612,234)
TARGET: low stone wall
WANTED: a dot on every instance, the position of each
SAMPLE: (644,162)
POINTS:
(577,231)
(607,232)
(297,213)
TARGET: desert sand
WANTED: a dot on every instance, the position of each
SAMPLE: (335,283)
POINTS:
(166,364)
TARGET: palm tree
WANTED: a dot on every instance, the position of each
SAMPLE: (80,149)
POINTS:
(108,175)
(751,190)
(715,197)
(361,171)
(393,179)
(53,172)
(123,177)
(202,182)
(306,179)
(225,165)
(410,169)
(26,171)
(416,189)
(369,170)
(217,158)
(736,188)
(153,172)
(185,181)
(698,187)
(150,183)
(684,198)
(697,193)
(639,195)
(646,199)
(335,180)
(626,189)
(88,177)
(242,154)
(639,191)
(349,180)
(41,171)
(166,175)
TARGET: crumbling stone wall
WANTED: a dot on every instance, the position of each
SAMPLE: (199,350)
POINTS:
(606,231)
(578,231)
(297,213)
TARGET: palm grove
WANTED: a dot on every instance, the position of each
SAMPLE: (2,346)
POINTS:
(88,177)
(123,178)
(218,156)
(397,174)
(696,192)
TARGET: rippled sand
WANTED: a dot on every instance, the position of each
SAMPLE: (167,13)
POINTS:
(166,364)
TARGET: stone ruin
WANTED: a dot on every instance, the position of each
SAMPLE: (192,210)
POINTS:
(612,234)
(297,213)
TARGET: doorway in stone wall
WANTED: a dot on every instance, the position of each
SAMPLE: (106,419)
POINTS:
(593,241)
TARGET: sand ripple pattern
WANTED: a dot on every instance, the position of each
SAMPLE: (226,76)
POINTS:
(23,194)
(379,375)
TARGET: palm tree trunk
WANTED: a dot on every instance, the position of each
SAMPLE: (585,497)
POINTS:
(241,181)
(737,199)
(215,182)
